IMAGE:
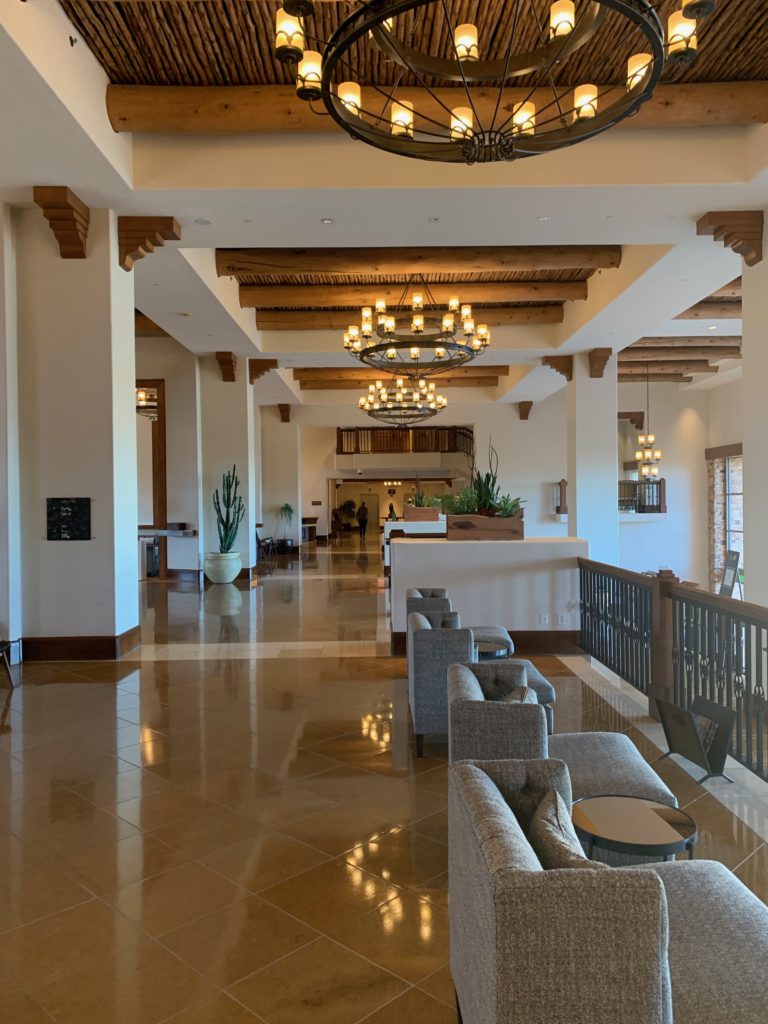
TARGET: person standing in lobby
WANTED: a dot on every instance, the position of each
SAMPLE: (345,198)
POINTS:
(362,519)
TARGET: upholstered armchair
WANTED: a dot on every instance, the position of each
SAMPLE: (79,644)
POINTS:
(427,599)
(434,642)
(492,681)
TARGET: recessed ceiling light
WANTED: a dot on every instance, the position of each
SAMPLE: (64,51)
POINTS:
(433,220)
(712,327)
(203,222)
(544,219)
(248,220)
(185,315)
(326,220)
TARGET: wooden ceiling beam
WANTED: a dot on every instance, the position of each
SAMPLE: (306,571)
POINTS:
(330,320)
(457,259)
(562,364)
(655,378)
(146,328)
(677,366)
(728,291)
(739,230)
(712,311)
(693,340)
(318,296)
(258,367)
(524,410)
(635,417)
(368,374)
(441,382)
(682,352)
(598,360)
(139,236)
(68,217)
(255,109)
(285,412)
(228,365)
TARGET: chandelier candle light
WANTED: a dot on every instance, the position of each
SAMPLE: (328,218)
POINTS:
(647,455)
(402,402)
(514,96)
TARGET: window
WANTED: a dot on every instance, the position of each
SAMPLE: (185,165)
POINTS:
(734,506)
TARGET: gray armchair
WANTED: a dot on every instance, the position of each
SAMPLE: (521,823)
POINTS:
(492,680)
(683,941)
(598,762)
(427,599)
(433,645)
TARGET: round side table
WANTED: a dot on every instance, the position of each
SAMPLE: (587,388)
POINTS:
(630,824)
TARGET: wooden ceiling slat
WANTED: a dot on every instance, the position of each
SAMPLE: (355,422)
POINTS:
(370,282)
(672,341)
(354,296)
(712,311)
(396,260)
(644,355)
(326,320)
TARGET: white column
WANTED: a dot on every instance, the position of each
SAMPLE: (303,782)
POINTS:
(10,527)
(593,459)
(280,473)
(227,441)
(77,436)
(754,374)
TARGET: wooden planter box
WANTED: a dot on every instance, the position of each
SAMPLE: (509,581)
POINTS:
(485,527)
(422,515)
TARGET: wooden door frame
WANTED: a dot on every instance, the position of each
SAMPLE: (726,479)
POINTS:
(159,476)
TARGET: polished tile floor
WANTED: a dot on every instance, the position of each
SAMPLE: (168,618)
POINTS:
(234,827)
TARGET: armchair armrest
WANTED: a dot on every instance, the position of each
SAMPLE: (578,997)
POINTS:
(494,730)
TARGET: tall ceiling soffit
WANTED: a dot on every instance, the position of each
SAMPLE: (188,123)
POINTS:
(315,289)
(230,42)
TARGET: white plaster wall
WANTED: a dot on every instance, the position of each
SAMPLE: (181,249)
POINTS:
(165,359)
(257,486)
(227,439)
(144,469)
(10,525)
(678,542)
(318,458)
(78,436)
(280,472)
(724,415)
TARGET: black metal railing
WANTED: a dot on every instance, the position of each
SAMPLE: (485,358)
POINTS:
(719,652)
(616,620)
(400,440)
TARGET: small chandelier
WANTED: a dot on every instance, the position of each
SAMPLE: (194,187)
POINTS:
(403,402)
(146,403)
(415,342)
(647,455)
(420,42)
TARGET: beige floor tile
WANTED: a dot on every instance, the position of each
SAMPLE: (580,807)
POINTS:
(331,895)
(434,826)
(56,946)
(407,936)
(338,830)
(685,788)
(209,831)
(32,887)
(154,810)
(143,985)
(413,1005)
(283,806)
(221,1009)
(179,895)
(264,861)
(722,836)
(323,983)
(76,835)
(237,940)
(17,1007)
(403,857)
(754,872)
(107,867)
(345,783)
(440,985)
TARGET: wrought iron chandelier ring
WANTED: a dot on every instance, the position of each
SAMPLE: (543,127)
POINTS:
(456,354)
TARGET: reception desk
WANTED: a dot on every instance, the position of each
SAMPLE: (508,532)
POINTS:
(529,586)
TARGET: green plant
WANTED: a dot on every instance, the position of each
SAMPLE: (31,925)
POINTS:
(507,507)
(419,499)
(347,508)
(286,516)
(229,508)
(486,485)
(464,503)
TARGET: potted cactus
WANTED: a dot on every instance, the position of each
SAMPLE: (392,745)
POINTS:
(223,566)
(481,512)
(422,509)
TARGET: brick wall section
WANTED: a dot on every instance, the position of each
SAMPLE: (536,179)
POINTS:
(717,520)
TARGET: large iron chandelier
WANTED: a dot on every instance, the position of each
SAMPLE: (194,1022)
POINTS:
(416,338)
(402,403)
(647,455)
(418,43)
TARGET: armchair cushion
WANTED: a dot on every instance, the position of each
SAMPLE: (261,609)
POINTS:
(521,695)
(553,836)
(426,592)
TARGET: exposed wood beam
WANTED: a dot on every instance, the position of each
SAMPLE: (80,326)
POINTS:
(635,417)
(461,259)
(524,410)
(712,311)
(139,236)
(258,367)
(672,366)
(598,360)
(655,378)
(285,296)
(683,352)
(728,291)
(740,230)
(228,110)
(146,328)
(228,365)
(562,364)
(68,217)
(695,341)
(367,374)
(330,320)
(285,412)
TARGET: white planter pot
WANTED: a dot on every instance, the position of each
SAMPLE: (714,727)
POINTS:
(222,567)
(223,600)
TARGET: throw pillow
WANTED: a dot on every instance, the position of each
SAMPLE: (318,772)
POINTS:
(521,695)
(553,837)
